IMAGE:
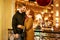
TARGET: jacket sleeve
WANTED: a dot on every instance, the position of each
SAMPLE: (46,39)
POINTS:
(14,25)
(29,24)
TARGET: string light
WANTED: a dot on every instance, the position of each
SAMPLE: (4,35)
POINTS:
(35,2)
(46,10)
(42,12)
(52,5)
(52,28)
(38,16)
(57,21)
(57,24)
(57,13)
(57,18)
(52,11)
(46,18)
(49,15)
(57,5)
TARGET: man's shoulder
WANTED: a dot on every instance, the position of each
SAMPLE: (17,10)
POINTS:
(16,13)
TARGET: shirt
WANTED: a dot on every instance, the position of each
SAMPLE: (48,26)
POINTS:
(18,19)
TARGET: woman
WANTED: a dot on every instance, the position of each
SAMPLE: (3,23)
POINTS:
(29,25)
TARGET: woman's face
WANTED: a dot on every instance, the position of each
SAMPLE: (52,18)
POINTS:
(28,12)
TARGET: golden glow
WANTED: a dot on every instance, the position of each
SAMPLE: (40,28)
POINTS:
(52,5)
(57,24)
(49,7)
(52,11)
(57,13)
(52,28)
(35,2)
(57,18)
(18,0)
(46,18)
(49,15)
(42,12)
(57,5)
(26,0)
(46,10)
(18,9)
(38,16)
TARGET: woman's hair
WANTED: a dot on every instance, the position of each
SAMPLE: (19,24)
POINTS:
(32,13)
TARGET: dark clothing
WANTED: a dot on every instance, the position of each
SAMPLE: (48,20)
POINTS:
(18,19)
(20,38)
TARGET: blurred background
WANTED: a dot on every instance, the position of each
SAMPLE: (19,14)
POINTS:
(47,14)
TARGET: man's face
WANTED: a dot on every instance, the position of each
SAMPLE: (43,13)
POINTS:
(23,9)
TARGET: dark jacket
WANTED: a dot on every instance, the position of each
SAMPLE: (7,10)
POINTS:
(18,19)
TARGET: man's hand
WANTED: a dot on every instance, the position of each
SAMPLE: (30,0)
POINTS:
(20,26)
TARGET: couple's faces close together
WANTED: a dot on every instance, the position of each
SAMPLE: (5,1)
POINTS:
(28,12)
(23,9)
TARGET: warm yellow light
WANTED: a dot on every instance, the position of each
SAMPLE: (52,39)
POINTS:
(57,5)
(18,9)
(38,16)
(57,18)
(18,0)
(57,24)
(46,18)
(52,28)
(46,10)
(42,12)
(49,15)
(57,13)
(52,11)
(26,0)
(49,7)
(35,2)
(52,5)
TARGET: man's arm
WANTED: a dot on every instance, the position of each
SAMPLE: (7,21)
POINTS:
(20,26)
(14,25)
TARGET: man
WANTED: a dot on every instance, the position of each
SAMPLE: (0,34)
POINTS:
(18,21)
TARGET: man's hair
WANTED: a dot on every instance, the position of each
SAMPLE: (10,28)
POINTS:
(20,4)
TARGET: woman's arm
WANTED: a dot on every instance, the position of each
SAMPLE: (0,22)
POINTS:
(29,24)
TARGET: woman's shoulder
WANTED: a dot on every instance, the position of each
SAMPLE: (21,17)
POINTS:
(31,19)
